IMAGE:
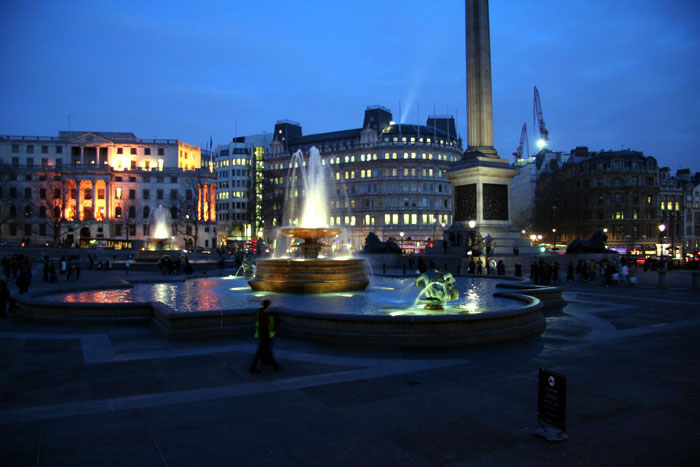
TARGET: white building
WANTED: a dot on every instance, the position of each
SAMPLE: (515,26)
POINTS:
(239,169)
(100,188)
(523,185)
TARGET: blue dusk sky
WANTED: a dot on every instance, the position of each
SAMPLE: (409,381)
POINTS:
(611,74)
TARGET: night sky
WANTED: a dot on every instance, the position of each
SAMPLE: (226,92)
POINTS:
(611,74)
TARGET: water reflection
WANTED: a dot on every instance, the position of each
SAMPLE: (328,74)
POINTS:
(389,296)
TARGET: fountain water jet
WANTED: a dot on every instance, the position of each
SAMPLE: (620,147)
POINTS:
(310,274)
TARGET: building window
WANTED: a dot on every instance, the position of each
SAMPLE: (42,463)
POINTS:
(132,194)
(15,148)
(173,194)
(120,150)
(42,193)
(159,193)
(161,151)
(118,193)
(59,149)
(30,149)
(27,193)
(146,194)
(133,151)
(101,193)
(147,151)
(132,212)
(118,212)
(146,212)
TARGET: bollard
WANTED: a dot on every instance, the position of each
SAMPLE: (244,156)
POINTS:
(662,279)
(404,269)
(383,268)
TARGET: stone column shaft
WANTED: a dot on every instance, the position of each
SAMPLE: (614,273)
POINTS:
(479,100)
(94,200)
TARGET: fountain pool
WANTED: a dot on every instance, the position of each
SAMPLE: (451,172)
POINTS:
(385,296)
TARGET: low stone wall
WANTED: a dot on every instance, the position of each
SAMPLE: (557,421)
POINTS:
(34,308)
(550,296)
(430,330)
(418,331)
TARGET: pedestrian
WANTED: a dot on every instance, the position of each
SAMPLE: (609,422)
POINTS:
(492,266)
(501,268)
(5,297)
(264,332)
(127,266)
(479,266)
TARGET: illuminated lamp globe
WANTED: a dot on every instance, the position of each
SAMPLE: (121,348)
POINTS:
(541,143)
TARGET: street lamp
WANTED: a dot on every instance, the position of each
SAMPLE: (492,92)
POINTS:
(472,224)
(554,238)
(662,229)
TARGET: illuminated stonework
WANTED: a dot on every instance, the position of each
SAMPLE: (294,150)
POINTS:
(100,188)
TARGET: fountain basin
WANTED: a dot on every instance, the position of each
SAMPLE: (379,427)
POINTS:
(502,316)
(309,276)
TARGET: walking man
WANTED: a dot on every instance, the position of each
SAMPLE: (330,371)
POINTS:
(264,332)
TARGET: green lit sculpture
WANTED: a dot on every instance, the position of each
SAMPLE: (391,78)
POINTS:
(437,287)
(248,266)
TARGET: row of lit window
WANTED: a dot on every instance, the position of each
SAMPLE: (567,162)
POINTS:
(413,140)
(232,194)
(233,161)
(670,206)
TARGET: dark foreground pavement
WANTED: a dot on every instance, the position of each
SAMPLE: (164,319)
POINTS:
(123,396)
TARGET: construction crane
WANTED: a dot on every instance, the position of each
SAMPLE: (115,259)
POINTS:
(539,121)
(524,145)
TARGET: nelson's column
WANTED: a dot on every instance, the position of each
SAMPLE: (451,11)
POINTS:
(481,179)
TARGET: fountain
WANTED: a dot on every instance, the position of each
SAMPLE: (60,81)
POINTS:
(310,274)
(161,242)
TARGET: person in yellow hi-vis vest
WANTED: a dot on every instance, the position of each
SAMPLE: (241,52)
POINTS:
(264,332)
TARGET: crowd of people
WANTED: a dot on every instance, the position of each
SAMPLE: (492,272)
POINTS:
(623,272)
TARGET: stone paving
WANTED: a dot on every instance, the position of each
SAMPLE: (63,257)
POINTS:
(124,396)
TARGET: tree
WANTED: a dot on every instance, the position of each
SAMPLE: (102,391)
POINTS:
(50,211)
(185,211)
(8,177)
(125,213)
(49,204)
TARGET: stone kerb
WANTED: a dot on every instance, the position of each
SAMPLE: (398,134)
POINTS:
(418,331)
(33,307)
(173,324)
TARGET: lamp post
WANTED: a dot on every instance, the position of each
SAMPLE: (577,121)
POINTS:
(662,229)
(662,268)
(554,239)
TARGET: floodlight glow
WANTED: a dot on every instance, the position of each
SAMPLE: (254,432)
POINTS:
(541,143)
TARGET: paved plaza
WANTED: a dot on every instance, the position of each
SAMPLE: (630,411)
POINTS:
(125,396)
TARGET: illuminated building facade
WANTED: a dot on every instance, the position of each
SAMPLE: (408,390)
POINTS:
(613,190)
(240,179)
(100,189)
(387,178)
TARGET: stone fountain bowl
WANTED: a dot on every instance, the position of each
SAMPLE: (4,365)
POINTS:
(310,233)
